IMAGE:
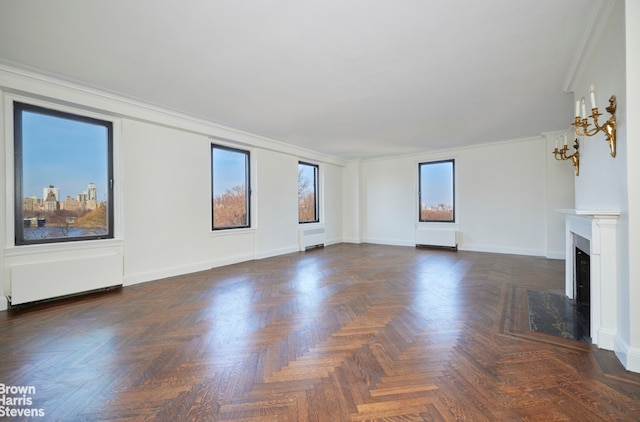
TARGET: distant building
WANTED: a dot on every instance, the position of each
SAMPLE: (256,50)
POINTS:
(91,192)
(71,204)
(51,189)
(85,201)
(29,203)
(88,197)
(51,201)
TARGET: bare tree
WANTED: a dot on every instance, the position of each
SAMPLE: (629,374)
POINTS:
(306,198)
(230,208)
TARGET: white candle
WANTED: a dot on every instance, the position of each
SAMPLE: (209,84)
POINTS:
(592,93)
(584,108)
(577,108)
(556,142)
(565,139)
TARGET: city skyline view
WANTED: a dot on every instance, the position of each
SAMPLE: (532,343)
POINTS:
(65,153)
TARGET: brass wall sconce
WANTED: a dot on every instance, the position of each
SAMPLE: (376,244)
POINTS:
(581,122)
(561,154)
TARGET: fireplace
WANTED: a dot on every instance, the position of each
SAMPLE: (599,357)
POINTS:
(581,270)
(591,273)
(582,296)
(582,277)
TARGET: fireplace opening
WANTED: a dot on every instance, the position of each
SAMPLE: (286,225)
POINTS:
(582,294)
(583,281)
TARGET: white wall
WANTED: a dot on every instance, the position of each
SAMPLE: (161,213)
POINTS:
(276,209)
(632,40)
(502,200)
(352,199)
(333,210)
(560,194)
(163,180)
(614,183)
(599,186)
(389,195)
(167,200)
(168,211)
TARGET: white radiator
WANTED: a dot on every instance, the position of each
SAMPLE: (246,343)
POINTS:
(311,237)
(47,280)
(436,236)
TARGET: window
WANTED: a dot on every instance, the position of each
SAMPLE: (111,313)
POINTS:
(308,193)
(230,188)
(436,191)
(63,176)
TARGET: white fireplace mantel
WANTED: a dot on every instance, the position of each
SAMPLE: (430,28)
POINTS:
(600,229)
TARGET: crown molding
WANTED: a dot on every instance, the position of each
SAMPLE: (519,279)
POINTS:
(45,87)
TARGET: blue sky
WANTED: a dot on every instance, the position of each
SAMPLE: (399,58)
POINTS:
(228,169)
(307,172)
(436,183)
(65,153)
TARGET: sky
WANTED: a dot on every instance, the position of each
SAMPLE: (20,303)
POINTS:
(65,153)
(436,183)
(307,172)
(228,169)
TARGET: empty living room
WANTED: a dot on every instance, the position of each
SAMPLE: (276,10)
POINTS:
(319,211)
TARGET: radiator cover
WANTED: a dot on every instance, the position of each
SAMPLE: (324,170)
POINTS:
(311,237)
(439,237)
(46,280)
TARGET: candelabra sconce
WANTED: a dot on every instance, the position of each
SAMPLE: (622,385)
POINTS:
(561,154)
(581,122)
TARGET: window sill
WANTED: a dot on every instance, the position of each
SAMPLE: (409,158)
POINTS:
(77,246)
(232,232)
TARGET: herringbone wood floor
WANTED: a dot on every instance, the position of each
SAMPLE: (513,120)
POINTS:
(344,333)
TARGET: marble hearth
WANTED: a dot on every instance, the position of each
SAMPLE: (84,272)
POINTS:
(595,231)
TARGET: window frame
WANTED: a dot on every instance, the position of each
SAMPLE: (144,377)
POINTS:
(453,190)
(19,106)
(316,192)
(247,160)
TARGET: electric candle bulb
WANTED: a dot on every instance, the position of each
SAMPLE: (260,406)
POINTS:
(584,108)
(565,139)
(592,93)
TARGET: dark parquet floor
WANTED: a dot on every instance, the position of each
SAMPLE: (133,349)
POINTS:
(344,333)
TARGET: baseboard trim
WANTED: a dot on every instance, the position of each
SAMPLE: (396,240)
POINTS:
(500,250)
(355,240)
(627,355)
(556,255)
(277,252)
(606,339)
(132,279)
(389,242)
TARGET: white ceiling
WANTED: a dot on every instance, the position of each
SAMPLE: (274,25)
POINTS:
(349,78)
